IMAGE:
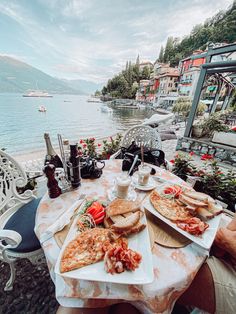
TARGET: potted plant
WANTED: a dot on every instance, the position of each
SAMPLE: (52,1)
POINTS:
(215,123)
(198,129)
(182,165)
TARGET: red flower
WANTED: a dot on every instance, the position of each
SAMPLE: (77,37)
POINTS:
(191,153)
(172,161)
(206,157)
(92,139)
(99,145)
(81,141)
(84,145)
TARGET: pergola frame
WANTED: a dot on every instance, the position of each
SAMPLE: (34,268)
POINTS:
(212,68)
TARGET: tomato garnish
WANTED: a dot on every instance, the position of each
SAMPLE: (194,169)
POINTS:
(174,190)
(97,211)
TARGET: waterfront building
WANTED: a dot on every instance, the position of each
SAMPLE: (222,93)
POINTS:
(167,86)
(143,90)
(168,82)
(189,69)
(144,64)
(160,68)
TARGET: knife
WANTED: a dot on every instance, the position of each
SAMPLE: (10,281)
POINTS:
(60,223)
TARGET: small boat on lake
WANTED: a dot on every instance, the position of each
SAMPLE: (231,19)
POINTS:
(37,93)
(42,109)
(94,99)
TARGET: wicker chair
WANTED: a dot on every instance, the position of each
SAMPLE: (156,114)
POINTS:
(142,135)
(17,217)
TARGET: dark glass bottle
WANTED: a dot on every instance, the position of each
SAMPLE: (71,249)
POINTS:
(51,155)
(74,166)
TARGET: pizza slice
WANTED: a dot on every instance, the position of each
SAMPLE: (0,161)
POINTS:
(169,208)
(85,249)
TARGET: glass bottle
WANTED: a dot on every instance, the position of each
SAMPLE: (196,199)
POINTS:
(74,166)
(51,155)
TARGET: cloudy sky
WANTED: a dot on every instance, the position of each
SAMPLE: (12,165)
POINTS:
(92,39)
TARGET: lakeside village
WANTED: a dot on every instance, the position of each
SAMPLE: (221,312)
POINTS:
(166,84)
(199,92)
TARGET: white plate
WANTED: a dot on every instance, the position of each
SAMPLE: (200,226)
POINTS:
(205,240)
(96,272)
(150,186)
(132,195)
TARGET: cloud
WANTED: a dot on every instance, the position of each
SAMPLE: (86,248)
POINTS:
(93,39)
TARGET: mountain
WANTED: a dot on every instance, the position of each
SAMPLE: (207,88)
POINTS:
(86,87)
(18,77)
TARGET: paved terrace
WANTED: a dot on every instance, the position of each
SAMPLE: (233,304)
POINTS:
(33,291)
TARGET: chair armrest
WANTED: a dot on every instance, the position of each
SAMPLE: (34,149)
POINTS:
(115,154)
(12,240)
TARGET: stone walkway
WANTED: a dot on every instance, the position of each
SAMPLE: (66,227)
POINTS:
(33,292)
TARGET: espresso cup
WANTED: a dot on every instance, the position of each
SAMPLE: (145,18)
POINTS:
(143,174)
(122,186)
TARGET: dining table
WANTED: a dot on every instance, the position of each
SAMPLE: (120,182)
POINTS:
(174,268)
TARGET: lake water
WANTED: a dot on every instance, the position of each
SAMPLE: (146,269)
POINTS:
(22,126)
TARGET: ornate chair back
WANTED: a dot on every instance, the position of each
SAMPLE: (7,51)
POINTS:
(12,178)
(142,135)
(17,215)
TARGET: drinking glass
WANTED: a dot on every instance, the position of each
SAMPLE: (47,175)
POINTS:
(122,183)
(143,174)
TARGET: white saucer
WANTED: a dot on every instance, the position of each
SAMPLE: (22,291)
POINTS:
(150,186)
(131,195)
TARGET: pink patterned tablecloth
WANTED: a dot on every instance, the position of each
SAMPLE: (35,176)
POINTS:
(174,269)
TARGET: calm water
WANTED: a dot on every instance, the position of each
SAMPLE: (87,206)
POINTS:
(22,125)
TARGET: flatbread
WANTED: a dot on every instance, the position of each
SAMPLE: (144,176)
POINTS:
(169,207)
(85,249)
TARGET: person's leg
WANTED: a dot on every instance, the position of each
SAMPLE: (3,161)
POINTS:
(201,292)
(71,310)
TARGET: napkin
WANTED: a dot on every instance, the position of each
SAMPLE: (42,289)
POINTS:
(61,222)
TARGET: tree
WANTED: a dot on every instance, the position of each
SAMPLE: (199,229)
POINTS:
(161,55)
(168,49)
(220,28)
(183,105)
(97,93)
(145,73)
(104,90)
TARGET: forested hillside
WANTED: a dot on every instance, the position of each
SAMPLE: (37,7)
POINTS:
(221,28)
(125,84)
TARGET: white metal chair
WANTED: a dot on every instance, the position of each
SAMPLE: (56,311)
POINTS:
(141,135)
(17,217)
